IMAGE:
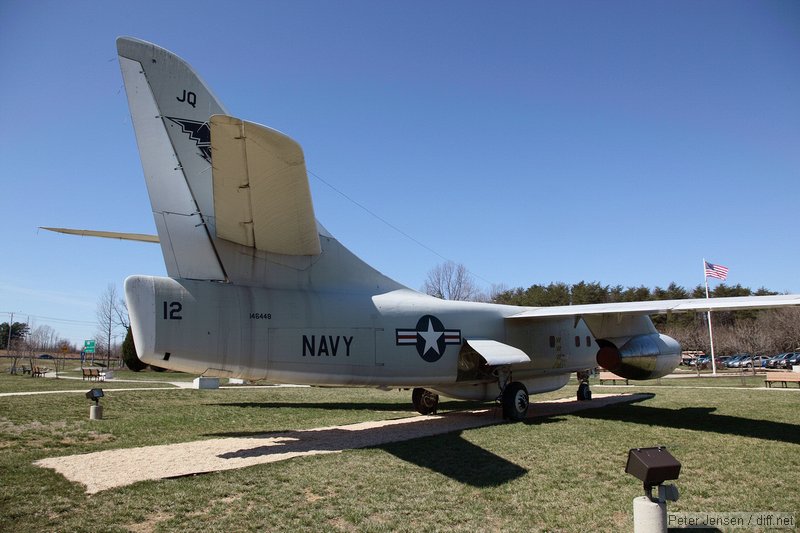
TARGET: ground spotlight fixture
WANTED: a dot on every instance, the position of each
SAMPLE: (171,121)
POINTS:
(95,394)
(652,466)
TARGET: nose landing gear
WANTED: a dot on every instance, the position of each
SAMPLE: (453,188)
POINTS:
(425,401)
(584,392)
(515,401)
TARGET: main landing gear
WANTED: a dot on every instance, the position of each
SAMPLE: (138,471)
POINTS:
(584,392)
(513,399)
(425,401)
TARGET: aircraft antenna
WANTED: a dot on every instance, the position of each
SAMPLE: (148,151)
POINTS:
(398,230)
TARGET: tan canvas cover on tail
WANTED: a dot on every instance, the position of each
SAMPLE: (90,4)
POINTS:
(261,193)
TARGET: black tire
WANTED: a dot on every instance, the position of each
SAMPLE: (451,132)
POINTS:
(584,393)
(425,401)
(515,402)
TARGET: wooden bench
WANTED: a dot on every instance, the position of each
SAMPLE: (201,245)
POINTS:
(610,376)
(782,377)
(92,374)
(38,371)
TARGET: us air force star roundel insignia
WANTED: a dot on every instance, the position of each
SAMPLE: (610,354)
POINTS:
(430,338)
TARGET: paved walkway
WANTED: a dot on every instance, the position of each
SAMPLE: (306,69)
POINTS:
(174,386)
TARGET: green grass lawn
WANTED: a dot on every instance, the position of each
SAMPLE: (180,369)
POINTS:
(740,451)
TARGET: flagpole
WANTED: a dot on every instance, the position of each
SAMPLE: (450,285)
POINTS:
(710,332)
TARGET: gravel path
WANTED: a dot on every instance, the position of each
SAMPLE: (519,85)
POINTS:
(116,468)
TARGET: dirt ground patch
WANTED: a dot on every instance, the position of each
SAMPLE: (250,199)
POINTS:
(115,468)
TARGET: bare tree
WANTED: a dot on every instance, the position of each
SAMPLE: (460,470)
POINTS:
(451,281)
(122,320)
(495,291)
(783,326)
(44,338)
(111,315)
(15,350)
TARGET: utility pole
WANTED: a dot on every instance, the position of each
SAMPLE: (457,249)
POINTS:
(8,341)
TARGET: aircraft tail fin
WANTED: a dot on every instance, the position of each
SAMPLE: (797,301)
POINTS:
(248,218)
(170,107)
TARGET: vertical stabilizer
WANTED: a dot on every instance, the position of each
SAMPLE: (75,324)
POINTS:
(249,218)
(170,107)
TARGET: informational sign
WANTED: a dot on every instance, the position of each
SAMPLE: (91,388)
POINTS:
(88,346)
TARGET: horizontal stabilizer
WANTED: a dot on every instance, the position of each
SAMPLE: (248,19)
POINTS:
(142,237)
(261,193)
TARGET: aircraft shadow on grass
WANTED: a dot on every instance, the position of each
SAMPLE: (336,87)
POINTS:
(421,442)
(453,456)
(417,442)
(699,419)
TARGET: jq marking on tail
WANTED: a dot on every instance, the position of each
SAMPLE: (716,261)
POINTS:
(189,97)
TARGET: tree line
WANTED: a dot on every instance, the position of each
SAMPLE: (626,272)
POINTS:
(23,338)
(597,293)
(766,331)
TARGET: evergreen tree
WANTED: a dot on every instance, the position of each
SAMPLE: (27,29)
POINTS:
(18,331)
(129,356)
(589,293)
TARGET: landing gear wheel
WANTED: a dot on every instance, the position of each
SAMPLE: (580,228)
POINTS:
(515,401)
(584,392)
(425,402)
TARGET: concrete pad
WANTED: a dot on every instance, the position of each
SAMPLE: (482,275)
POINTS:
(115,468)
(205,383)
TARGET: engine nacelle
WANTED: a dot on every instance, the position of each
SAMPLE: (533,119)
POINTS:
(640,357)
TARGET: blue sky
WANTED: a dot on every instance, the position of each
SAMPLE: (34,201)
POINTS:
(618,142)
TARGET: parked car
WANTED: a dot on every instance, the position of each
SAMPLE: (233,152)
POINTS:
(784,362)
(45,356)
(703,362)
(720,361)
(731,360)
(771,359)
(777,360)
(736,360)
(759,361)
(793,361)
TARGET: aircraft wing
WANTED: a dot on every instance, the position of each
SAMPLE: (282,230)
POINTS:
(735,303)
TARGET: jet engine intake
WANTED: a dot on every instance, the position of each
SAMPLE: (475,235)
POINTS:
(641,357)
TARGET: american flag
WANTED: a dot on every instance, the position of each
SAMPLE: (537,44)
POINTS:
(716,271)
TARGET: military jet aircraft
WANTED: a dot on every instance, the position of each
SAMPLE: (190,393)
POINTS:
(259,289)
